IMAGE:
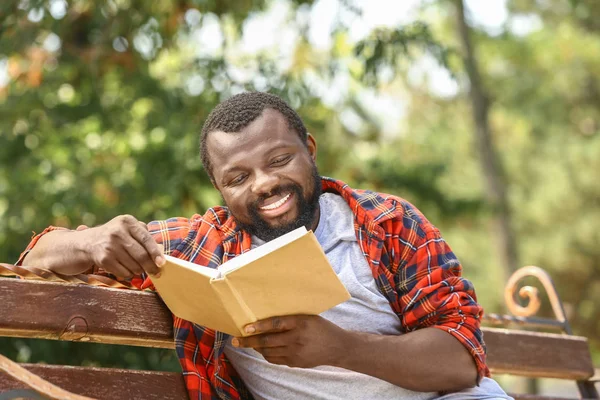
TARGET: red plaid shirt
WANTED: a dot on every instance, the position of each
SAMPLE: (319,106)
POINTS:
(413,266)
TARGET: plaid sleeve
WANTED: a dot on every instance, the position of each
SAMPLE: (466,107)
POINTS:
(168,233)
(435,294)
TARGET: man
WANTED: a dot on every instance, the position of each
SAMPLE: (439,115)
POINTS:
(411,328)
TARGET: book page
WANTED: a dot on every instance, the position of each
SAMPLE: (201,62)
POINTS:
(209,272)
(296,279)
(261,251)
(287,276)
(187,289)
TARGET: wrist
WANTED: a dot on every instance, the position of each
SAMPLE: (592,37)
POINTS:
(78,255)
(347,348)
(79,241)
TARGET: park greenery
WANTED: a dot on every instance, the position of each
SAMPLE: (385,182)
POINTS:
(103,102)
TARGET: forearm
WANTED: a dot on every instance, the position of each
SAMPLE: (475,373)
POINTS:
(60,251)
(426,360)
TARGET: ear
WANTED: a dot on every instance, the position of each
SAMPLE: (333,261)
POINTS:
(214,184)
(312,146)
(211,178)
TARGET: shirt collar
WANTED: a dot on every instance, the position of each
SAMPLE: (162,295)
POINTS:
(370,209)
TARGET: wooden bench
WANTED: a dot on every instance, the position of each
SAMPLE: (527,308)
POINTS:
(59,311)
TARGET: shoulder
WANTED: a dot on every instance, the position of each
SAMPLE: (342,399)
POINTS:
(393,213)
(398,218)
(409,216)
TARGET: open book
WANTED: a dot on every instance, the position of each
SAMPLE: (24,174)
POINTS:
(289,275)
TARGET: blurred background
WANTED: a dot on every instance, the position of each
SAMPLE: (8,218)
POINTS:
(484,114)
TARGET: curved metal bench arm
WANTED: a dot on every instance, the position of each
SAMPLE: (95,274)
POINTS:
(526,315)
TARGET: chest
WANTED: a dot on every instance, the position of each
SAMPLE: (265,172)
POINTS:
(368,310)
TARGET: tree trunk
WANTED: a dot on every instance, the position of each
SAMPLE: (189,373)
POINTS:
(490,162)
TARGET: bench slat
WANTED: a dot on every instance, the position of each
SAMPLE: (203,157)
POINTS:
(534,354)
(109,384)
(106,383)
(48,310)
(51,310)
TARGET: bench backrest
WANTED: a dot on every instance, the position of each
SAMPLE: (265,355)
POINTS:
(49,310)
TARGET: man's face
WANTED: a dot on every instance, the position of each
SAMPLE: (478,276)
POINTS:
(267,176)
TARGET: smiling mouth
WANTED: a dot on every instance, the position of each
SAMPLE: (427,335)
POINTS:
(277,204)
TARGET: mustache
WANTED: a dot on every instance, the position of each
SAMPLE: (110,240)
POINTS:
(256,204)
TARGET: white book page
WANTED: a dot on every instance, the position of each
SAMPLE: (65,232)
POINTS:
(210,272)
(261,251)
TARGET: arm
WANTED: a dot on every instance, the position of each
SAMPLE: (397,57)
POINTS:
(427,360)
(438,362)
(57,250)
(441,351)
(438,298)
(122,246)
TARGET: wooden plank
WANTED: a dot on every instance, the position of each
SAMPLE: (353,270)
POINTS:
(534,354)
(109,384)
(50,310)
(106,383)
(85,313)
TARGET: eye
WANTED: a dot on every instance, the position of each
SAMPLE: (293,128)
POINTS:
(237,180)
(281,160)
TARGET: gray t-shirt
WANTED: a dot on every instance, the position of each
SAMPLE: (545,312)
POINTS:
(366,311)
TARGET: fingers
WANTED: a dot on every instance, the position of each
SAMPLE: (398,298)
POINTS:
(120,270)
(132,263)
(148,254)
(274,324)
(273,347)
(124,247)
(263,341)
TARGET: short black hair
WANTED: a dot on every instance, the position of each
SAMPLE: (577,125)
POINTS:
(239,111)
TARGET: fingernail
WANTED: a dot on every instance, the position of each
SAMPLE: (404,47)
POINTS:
(235,342)
(159,260)
(157,275)
(250,329)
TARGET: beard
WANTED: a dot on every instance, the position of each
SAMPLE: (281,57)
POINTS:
(308,204)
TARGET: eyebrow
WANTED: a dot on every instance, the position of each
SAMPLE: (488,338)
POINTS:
(277,147)
(268,153)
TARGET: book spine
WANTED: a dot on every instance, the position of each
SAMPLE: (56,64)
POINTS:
(235,305)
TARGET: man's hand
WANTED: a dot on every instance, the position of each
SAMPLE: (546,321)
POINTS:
(123,246)
(308,341)
(302,341)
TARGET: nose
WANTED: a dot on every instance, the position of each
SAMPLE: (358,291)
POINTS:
(264,183)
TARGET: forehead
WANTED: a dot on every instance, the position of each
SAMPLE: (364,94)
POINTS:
(269,130)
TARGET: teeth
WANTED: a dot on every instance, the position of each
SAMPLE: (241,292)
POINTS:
(276,204)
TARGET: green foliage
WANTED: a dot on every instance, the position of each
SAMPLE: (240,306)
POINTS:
(89,354)
(105,102)
(385,47)
(544,114)
(101,117)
